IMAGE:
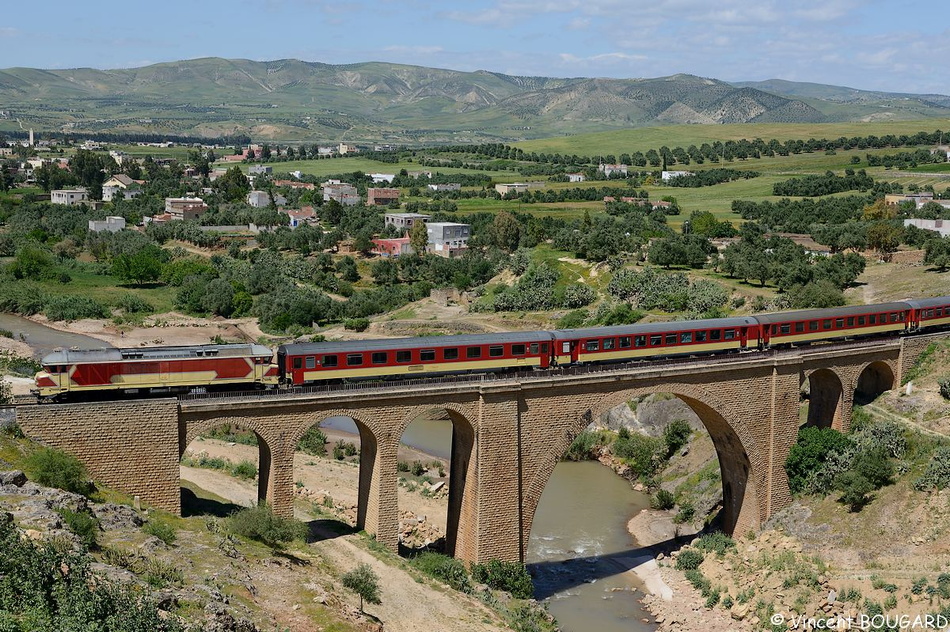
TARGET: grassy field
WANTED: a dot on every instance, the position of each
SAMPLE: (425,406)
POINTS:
(108,289)
(642,139)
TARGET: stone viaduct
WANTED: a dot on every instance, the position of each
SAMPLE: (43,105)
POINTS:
(508,434)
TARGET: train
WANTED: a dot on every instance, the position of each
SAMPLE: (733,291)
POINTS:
(71,374)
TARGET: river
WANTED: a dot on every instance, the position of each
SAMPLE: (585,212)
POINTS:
(580,548)
(43,339)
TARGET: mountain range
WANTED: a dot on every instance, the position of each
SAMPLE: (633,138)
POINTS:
(381,102)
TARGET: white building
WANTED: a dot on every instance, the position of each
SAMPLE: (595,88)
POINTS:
(514,187)
(404,221)
(609,170)
(260,199)
(68,197)
(941,226)
(382,177)
(110,224)
(576,177)
(120,182)
(448,186)
(668,175)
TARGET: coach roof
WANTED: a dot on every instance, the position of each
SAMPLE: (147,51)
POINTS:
(422,342)
(831,312)
(649,328)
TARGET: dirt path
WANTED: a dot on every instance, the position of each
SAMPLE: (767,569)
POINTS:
(408,605)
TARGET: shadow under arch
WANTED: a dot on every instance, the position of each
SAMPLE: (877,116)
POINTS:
(368,457)
(264,453)
(825,399)
(462,514)
(874,380)
(741,502)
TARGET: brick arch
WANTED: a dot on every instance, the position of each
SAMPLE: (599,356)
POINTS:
(734,440)
(872,379)
(462,513)
(369,452)
(265,445)
(826,398)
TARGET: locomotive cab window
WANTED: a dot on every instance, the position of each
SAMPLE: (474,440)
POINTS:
(625,342)
(518,350)
(593,345)
(354,359)
(496,351)
(450,354)
(328,360)
(427,355)
(404,356)
(609,343)
(379,357)
(312,362)
(473,352)
(298,363)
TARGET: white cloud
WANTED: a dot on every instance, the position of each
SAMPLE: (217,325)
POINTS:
(8,31)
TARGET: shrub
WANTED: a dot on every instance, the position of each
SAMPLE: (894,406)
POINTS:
(640,452)
(511,577)
(83,525)
(259,523)
(161,530)
(364,582)
(55,468)
(418,469)
(313,442)
(696,579)
(686,513)
(689,559)
(937,474)
(663,500)
(133,304)
(245,470)
(402,466)
(572,319)
(356,324)
(810,452)
(874,466)
(74,308)
(717,542)
(944,384)
(676,435)
(583,447)
(855,489)
(445,569)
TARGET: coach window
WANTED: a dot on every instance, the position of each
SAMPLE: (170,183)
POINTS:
(473,352)
(813,325)
(625,342)
(593,345)
(799,328)
(862,321)
(379,357)
(715,334)
(518,350)
(640,341)
(839,323)
(670,339)
(328,360)
(311,362)
(496,351)
(872,319)
(298,363)
(774,330)
(730,334)
(850,321)
(544,347)
(609,343)
(826,324)
(565,347)
(427,355)
(450,354)
(700,336)
(786,329)
(656,341)
(354,359)
(686,336)
(533,349)
(404,356)
(896,317)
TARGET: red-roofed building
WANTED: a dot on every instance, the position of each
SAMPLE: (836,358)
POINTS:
(294,184)
(381,197)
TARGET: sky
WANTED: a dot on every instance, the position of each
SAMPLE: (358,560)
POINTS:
(888,45)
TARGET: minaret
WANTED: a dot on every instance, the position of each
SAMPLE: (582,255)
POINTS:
(31,137)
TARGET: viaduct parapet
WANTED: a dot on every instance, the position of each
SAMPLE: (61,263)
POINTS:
(508,434)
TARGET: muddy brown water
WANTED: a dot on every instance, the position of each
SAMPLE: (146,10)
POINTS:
(44,340)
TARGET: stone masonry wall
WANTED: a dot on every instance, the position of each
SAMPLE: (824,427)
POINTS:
(131,446)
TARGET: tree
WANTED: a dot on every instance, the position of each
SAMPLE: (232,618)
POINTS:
(938,253)
(233,186)
(140,267)
(419,237)
(884,237)
(506,231)
(364,582)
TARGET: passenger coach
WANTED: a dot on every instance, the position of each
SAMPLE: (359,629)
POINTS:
(370,359)
(811,325)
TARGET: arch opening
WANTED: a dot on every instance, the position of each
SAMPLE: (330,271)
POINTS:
(825,400)
(876,379)
(224,467)
(436,484)
(333,464)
